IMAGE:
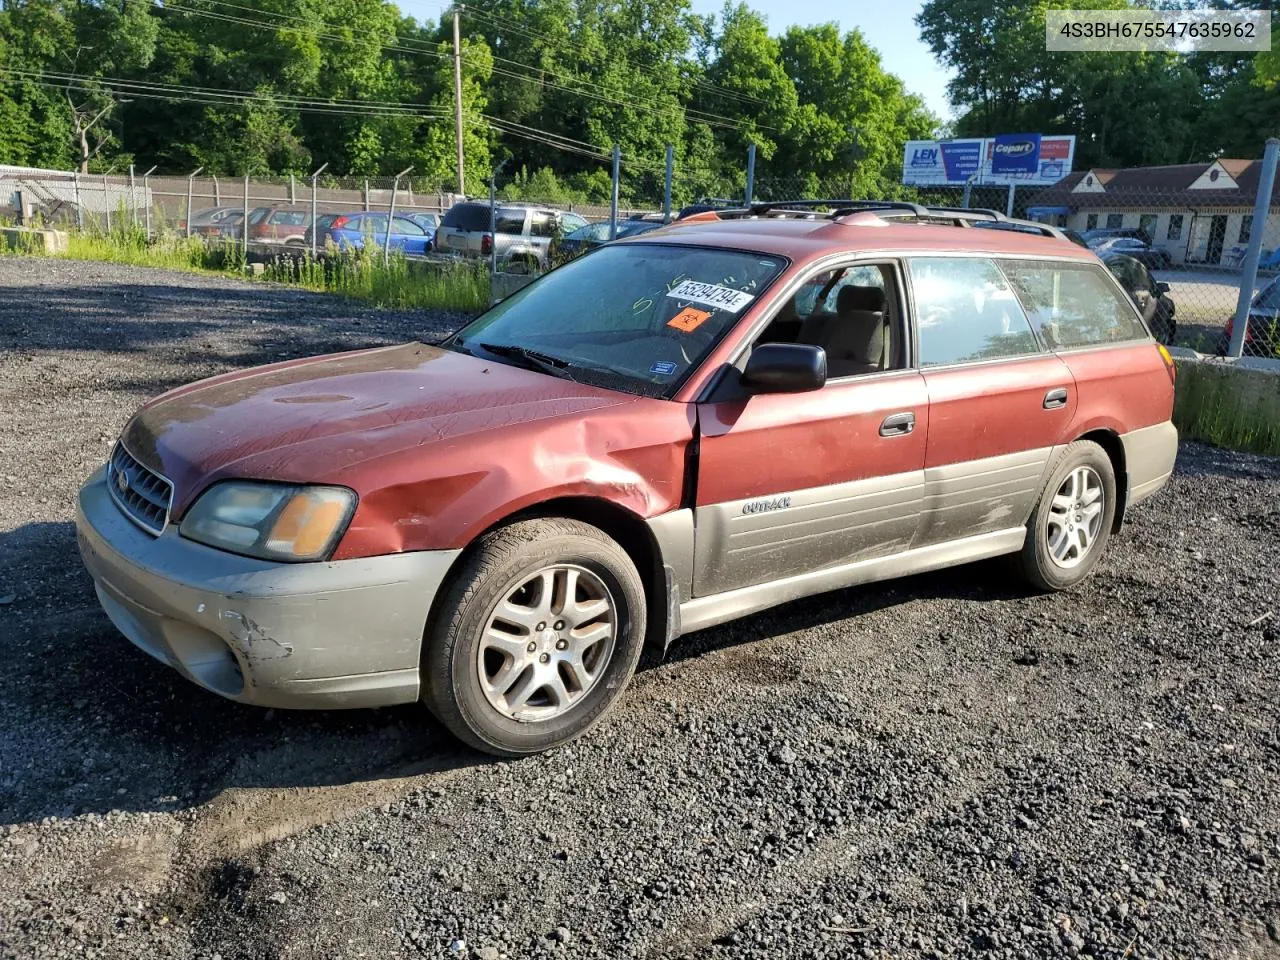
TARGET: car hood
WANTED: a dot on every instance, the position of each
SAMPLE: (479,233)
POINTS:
(314,420)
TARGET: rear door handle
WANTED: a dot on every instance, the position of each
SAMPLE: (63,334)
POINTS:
(1055,398)
(898,424)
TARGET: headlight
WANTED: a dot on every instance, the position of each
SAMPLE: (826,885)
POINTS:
(272,521)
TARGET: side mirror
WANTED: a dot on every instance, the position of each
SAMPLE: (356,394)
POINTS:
(1161,287)
(785,368)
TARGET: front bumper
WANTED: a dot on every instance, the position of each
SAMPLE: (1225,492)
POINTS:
(309,635)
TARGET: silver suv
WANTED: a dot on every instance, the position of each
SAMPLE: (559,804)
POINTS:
(524,233)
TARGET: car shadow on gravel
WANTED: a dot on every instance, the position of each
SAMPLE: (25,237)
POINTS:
(93,725)
(987,580)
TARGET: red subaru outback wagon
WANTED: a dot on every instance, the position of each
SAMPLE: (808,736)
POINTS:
(670,432)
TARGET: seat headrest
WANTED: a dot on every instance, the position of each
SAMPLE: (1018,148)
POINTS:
(859,298)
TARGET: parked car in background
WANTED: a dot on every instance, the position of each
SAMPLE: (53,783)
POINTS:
(672,432)
(215,222)
(705,205)
(429,222)
(279,223)
(1153,257)
(1262,334)
(1151,296)
(597,234)
(1101,234)
(524,233)
(352,231)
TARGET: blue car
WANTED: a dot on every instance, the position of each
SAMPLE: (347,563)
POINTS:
(427,221)
(351,231)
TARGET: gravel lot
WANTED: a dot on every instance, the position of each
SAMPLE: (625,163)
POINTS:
(943,766)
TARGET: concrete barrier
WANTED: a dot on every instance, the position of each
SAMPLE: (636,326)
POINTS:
(503,285)
(29,240)
(1231,403)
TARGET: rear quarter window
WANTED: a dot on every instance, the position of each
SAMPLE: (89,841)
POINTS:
(467,216)
(1074,304)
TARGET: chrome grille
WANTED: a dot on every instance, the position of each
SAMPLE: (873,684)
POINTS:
(143,495)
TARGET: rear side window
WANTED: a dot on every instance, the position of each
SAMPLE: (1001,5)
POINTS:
(1074,304)
(289,218)
(467,216)
(509,221)
(965,311)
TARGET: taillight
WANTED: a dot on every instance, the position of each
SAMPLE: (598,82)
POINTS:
(486,243)
(338,223)
(1169,365)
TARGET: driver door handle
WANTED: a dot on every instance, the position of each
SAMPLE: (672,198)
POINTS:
(898,424)
(1055,398)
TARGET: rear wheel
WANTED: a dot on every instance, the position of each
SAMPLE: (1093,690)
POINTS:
(1071,523)
(537,635)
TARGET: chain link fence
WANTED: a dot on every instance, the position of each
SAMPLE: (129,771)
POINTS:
(1179,248)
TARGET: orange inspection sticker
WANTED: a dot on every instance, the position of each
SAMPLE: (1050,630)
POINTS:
(689,319)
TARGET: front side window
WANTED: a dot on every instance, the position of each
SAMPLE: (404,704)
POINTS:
(1073,304)
(1175,227)
(849,311)
(965,310)
(635,317)
(406,227)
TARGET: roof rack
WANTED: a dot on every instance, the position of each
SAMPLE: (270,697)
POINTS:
(892,209)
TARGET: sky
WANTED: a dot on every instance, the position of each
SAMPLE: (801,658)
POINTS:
(888,25)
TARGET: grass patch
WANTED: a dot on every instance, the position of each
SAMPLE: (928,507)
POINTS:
(398,283)
(1227,406)
(356,275)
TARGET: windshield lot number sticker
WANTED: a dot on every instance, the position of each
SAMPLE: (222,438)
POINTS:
(663,368)
(689,319)
(711,295)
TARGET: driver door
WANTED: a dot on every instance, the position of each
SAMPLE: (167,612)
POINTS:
(793,483)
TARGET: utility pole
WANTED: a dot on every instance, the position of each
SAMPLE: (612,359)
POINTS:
(457,97)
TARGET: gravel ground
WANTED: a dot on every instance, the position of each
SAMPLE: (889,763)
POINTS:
(942,766)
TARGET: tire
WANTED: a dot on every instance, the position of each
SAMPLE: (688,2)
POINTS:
(476,661)
(1037,563)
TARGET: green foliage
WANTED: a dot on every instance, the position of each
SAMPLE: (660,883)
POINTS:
(1126,109)
(637,73)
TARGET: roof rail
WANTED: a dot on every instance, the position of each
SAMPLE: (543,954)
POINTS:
(985,217)
(891,209)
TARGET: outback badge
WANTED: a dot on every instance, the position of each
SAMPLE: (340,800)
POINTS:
(764,506)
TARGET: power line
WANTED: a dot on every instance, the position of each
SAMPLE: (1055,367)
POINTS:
(207,96)
(707,85)
(710,119)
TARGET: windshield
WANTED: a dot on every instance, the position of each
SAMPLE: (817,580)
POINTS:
(1269,298)
(636,317)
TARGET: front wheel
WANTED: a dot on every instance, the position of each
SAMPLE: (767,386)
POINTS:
(536,637)
(1071,523)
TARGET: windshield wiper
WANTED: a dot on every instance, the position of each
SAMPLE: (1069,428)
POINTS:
(530,359)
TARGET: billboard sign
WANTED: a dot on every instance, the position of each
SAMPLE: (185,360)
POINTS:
(1015,153)
(1022,158)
